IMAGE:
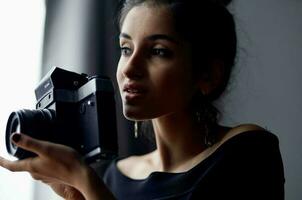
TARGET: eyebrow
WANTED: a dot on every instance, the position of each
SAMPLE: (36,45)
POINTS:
(153,37)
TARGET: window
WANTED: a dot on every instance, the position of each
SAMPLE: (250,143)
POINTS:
(21,33)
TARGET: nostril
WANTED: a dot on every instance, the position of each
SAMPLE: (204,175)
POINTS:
(133,73)
(137,75)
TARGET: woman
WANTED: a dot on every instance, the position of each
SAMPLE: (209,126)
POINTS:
(176,59)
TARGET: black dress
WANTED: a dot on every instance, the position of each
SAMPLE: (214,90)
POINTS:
(247,166)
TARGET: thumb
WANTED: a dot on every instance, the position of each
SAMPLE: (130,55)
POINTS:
(28,143)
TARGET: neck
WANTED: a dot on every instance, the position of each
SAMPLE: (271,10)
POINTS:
(178,140)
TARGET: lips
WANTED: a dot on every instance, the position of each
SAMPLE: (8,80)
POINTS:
(133,91)
(130,90)
(134,88)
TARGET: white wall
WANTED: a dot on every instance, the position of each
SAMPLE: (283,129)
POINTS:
(21,30)
(267,84)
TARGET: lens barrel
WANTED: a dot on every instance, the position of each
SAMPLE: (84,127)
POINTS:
(38,124)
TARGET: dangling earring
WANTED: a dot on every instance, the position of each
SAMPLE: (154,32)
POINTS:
(135,129)
(201,112)
(198,117)
(205,128)
(207,140)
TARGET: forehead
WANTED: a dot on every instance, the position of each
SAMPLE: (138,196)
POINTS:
(146,20)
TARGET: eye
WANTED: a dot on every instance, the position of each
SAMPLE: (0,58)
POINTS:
(161,52)
(125,51)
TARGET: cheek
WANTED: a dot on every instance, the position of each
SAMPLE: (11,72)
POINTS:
(176,77)
(119,75)
(175,87)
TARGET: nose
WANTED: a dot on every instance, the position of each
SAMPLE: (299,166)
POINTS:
(134,66)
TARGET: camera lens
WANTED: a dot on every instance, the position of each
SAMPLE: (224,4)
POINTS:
(35,123)
(15,128)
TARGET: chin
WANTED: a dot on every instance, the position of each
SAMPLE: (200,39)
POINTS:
(137,115)
(131,114)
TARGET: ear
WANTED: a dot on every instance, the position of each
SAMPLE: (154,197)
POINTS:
(210,81)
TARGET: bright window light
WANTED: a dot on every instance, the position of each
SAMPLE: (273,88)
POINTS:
(21,33)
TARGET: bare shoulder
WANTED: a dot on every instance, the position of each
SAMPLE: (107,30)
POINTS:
(126,164)
(135,167)
(240,129)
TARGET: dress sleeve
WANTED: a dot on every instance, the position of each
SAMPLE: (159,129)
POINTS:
(250,168)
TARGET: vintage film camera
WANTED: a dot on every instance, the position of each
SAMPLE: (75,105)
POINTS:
(72,109)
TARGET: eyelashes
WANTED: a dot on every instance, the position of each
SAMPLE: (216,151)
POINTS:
(153,52)
(161,52)
(125,51)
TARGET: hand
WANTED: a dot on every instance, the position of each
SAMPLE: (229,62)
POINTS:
(56,165)
(65,191)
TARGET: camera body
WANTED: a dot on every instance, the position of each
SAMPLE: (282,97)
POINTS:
(72,109)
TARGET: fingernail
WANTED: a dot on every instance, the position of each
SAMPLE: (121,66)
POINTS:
(16,137)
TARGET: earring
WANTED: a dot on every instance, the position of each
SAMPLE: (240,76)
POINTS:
(202,116)
(205,127)
(207,139)
(198,117)
(135,129)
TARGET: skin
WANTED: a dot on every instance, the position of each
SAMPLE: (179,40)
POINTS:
(146,36)
(168,82)
(61,168)
(168,85)
(153,57)
(157,61)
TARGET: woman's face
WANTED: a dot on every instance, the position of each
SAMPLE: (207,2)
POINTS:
(154,70)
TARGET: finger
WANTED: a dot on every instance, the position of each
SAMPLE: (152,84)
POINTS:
(16,166)
(30,144)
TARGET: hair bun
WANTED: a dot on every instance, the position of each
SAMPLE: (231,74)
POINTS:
(222,2)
